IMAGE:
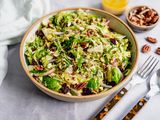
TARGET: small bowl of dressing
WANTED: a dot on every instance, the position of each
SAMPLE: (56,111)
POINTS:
(116,7)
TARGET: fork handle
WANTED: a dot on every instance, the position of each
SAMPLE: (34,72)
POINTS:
(135,109)
(110,104)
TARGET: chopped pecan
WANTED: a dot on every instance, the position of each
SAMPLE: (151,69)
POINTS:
(84,45)
(75,46)
(143,16)
(151,40)
(106,36)
(84,64)
(154,19)
(105,67)
(134,19)
(50,25)
(152,13)
(147,19)
(39,67)
(146,48)
(90,32)
(75,67)
(149,13)
(158,51)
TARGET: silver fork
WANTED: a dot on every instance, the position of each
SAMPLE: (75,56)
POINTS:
(142,74)
(154,90)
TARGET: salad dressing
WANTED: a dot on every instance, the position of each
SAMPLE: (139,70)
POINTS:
(114,6)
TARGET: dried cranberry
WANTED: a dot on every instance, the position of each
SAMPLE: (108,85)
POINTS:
(53,49)
(34,62)
(71,55)
(86,91)
(39,33)
(64,89)
(114,41)
(40,63)
(112,83)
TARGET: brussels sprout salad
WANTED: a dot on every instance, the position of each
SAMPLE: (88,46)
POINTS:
(77,53)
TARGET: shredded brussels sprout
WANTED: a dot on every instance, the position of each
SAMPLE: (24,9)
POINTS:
(76,53)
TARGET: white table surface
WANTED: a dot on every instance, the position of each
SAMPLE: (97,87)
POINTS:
(21,100)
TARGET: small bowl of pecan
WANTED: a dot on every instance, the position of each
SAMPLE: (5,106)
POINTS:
(142,18)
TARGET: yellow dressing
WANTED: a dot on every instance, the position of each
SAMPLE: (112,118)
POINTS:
(115,4)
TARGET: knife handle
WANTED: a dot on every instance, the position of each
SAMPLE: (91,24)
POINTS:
(110,104)
(135,109)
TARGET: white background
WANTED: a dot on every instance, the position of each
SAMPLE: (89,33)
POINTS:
(21,100)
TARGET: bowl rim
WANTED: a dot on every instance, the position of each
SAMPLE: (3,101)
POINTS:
(142,27)
(65,95)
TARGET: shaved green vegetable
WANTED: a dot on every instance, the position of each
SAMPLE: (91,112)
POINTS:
(93,84)
(58,45)
(116,75)
(27,60)
(51,83)
(80,60)
(37,71)
(76,53)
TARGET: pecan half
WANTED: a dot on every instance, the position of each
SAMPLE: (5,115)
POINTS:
(80,85)
(158,51)
(151,40)
(146,48)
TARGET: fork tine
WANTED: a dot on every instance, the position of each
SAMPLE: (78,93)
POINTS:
(149,59)
(148,66)
(151,69)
